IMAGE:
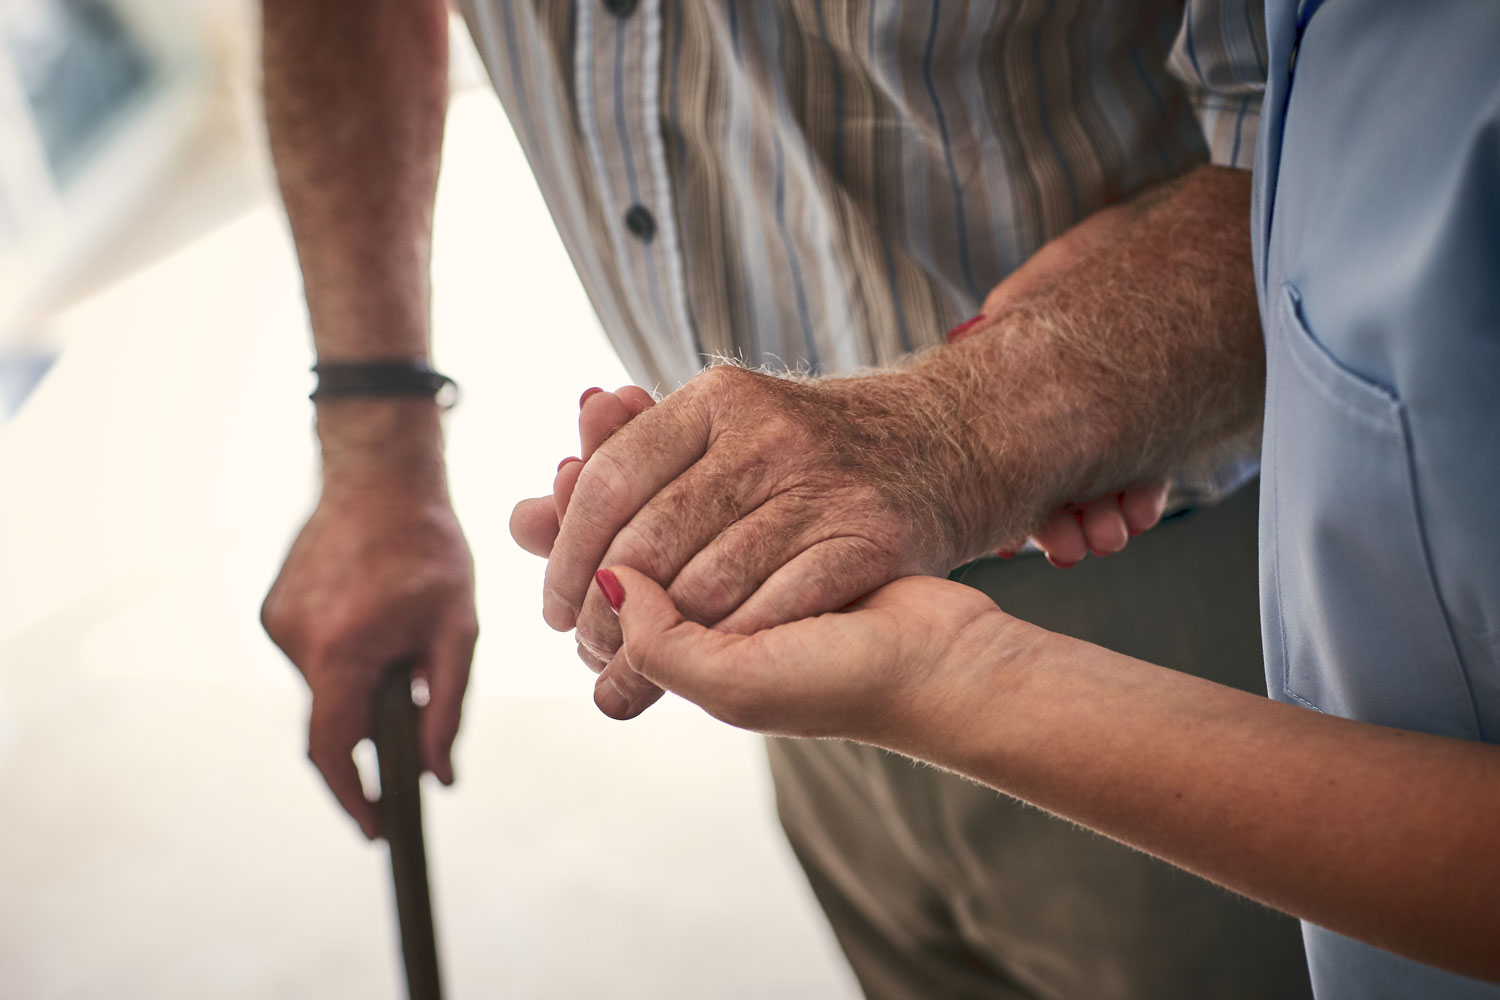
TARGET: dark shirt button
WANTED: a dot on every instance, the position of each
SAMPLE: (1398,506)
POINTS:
(640,222)
(620,8)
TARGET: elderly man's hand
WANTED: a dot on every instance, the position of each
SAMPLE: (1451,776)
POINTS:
(380,574)
(757,500)
(1100,363)
(1099,527)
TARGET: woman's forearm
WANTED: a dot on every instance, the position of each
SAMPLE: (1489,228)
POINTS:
(1389,836)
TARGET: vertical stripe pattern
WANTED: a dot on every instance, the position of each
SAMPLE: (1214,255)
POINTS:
(1220,56)
(835,183)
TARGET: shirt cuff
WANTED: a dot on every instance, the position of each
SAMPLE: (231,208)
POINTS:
(1230,124)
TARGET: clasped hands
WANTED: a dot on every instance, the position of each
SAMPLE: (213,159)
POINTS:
(808,523)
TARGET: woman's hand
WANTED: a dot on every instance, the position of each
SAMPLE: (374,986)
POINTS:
(1100,527)
(895,668)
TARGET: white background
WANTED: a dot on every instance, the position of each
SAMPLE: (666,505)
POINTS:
(162,835)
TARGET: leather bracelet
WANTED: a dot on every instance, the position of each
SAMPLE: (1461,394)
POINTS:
(344,379)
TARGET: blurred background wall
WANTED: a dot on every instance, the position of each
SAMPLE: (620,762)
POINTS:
(103,109)
(161,833)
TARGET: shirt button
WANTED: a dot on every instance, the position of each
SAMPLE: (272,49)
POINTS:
(640,222)
(620,8)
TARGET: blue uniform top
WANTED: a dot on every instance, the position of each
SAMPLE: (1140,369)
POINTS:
(1377,251)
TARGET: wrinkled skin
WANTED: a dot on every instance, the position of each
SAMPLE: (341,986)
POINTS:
(821,529)
(375,578)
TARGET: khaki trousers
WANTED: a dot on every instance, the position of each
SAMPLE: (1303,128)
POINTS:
(940,888)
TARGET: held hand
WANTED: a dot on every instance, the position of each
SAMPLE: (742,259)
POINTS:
(886,670)
(757,501)
(376,577)
(534,522)
(1100,527)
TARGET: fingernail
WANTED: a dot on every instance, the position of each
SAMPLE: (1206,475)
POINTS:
(610,584)
(610,700)
(1061,565)
(586,394)
(1006,553)
(964,327)
(570,458)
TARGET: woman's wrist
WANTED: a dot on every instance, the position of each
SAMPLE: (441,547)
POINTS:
(964,709)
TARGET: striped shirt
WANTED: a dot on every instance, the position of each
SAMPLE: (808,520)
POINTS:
(823,185)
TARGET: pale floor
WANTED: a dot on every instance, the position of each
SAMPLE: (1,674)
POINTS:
(161,834)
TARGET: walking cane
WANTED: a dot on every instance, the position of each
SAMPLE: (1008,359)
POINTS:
(400,810)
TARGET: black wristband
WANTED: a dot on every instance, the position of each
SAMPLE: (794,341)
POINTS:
(342,379)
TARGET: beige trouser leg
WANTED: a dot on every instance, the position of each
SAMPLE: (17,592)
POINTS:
(940,888)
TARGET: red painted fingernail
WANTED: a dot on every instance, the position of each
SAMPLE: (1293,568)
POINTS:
(610,584)
(1006,553)
(586,394)
(570,458)
(964,327)
(1061,565)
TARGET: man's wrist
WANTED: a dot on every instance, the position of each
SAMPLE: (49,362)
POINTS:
(382,443)
(976,465)
(383,377)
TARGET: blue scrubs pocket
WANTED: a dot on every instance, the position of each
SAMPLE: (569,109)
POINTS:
(1353,624)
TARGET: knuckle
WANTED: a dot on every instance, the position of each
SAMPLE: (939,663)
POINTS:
(640,655)
(646,545)
(781,436)
(274,618)
(268,612)
(319,650)
(590,660)
(707,596)
(603,490)
(601,642)
(722,377)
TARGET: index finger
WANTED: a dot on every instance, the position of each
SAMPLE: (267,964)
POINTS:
(628,470)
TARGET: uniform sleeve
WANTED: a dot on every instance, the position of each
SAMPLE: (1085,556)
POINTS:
(1220,57)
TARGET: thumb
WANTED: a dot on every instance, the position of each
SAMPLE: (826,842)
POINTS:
(664,647)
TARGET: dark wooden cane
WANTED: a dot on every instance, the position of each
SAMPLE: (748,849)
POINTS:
(401,823)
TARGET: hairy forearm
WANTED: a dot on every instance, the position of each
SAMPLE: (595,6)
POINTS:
(1381,834)
(1128,350)
(355,97)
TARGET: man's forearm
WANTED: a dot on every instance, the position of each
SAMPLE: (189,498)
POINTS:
(355,100)
(1127,350)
